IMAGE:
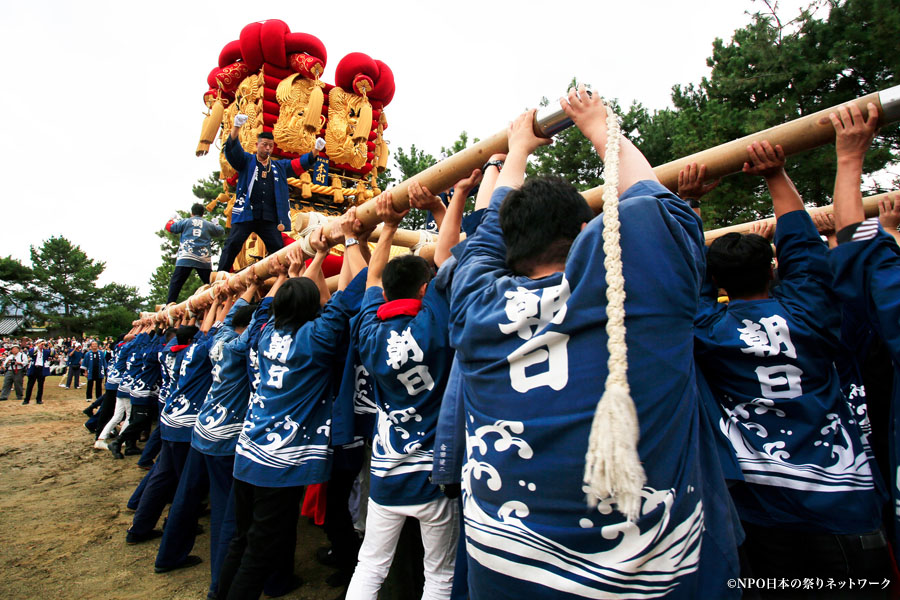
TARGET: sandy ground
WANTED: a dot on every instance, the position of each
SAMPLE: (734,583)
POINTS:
(63,516)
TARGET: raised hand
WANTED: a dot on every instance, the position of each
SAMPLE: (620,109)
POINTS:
(317,241)
(764,160)
(765,229)
(465,186)
(384,208)
(239,120)
(853,134)
(690,182)
(297,260)
(824,222)
(521,134)
(421,197)
(587,111)
(889,212)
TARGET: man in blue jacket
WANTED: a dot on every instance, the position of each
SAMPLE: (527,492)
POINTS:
(94,369)
(40,357)
(193,249)
(262,203)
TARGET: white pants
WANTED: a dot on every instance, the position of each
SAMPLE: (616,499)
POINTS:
(122,413)
(439,523)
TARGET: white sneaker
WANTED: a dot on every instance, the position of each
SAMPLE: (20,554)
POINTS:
(101,445)
(62,385)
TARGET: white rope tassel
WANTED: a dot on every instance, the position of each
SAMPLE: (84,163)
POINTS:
(612,465)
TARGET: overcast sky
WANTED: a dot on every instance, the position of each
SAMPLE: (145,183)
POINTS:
(102,101)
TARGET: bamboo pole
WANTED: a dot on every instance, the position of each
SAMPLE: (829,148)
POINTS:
(794,136)
(870,205)
(450,170)
(799,135)
(407,238)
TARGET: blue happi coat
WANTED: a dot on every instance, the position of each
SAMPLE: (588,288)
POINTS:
(118,365)
(185,399)
(133,355)
(866,272)
(87,362)
(533,356)
(145,387)
(770,365)
(286,434)
(222,415)
(409,358)
(193,246)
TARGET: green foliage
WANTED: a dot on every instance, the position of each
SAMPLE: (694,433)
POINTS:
(64,283)
(118,307)
(412,163)
(14,289)
(772,71)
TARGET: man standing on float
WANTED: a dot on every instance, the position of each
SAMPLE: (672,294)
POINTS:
(262,203)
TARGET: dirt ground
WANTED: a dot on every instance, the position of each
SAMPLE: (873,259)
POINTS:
(63,516)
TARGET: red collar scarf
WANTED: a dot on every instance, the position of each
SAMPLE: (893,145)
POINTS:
(178,347)
(395,308)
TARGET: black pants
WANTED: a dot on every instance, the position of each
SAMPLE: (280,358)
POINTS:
(141,418)
(74,372)
(264,540)
(180,275)
(39,378)
(94,384)
(267,232)
(107,408)
(778,553)
(345,466)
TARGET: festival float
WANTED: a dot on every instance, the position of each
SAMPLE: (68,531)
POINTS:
(273,76)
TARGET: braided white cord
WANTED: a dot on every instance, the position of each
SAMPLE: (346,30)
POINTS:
(612,465)
(425,238)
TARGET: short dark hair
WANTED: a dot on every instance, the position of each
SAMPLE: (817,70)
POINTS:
(186,333)
(540,220)
(740,263)
(243,315)
(404,275)
(197,209)
(266,135)
(295,303)
(169,333)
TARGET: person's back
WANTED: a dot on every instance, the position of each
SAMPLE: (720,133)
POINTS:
(810,499)
(195,236)
(193,249)
(529,330)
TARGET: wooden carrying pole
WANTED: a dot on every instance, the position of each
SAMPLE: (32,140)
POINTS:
(453,168)
(870,205)
(441,176)
(794,136)
(407,238)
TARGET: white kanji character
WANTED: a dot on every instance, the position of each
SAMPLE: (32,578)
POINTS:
(279,346)
(549,348)
(753,335)
(522,309)
(401,347)
(779,335)
(770,343)
(780,375)
(276,373)
(553,302)
(416,380)
(216,353)
(216,371)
